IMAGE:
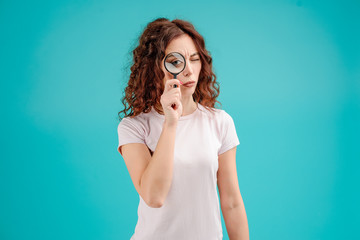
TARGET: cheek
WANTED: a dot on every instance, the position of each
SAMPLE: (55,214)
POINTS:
(168,75)
(199,70)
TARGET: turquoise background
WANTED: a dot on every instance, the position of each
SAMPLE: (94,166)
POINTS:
(289,73)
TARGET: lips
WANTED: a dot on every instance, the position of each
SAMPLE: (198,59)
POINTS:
(189,83)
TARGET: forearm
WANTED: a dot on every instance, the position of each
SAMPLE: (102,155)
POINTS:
(157,177)
(236,222)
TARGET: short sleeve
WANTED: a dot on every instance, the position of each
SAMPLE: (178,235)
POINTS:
(130,131)
(229,138)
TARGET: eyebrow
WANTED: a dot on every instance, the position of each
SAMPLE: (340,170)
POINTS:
(194,54)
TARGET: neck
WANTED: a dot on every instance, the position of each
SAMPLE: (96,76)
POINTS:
(189,106)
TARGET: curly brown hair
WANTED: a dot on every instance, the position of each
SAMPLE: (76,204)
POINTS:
(145,85)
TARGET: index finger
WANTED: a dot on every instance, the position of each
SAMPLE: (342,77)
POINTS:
(169,84)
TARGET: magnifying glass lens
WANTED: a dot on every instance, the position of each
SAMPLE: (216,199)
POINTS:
(174,63)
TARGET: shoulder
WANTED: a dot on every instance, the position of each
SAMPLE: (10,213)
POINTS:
(216,114)
(139,121)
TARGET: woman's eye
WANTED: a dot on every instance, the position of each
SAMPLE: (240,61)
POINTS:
(195,60)
(177,62)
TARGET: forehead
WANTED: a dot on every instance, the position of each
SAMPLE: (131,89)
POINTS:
(183,44)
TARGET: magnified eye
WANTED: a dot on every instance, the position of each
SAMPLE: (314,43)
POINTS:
(176,62)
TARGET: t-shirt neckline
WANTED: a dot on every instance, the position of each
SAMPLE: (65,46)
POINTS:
(189,116)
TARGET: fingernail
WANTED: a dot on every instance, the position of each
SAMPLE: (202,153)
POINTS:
(180,82)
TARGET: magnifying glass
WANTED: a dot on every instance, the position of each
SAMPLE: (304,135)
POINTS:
(174,63)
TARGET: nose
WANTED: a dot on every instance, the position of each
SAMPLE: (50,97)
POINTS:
(188,69)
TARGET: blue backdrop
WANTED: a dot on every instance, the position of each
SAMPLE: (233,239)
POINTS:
(289,74)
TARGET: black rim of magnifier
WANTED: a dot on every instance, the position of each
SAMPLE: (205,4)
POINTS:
(169,70)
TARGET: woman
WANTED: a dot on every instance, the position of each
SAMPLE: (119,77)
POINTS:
(177,147)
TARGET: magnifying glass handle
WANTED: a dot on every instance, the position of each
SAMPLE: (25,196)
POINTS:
(175,86)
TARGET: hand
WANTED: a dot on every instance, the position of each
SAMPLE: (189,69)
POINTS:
(170,101)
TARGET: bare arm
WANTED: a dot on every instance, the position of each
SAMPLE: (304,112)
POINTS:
(236,222)
(152,175)
(232,204)
(157,177)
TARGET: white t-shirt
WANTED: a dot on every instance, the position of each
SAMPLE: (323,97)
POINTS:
(191,209)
